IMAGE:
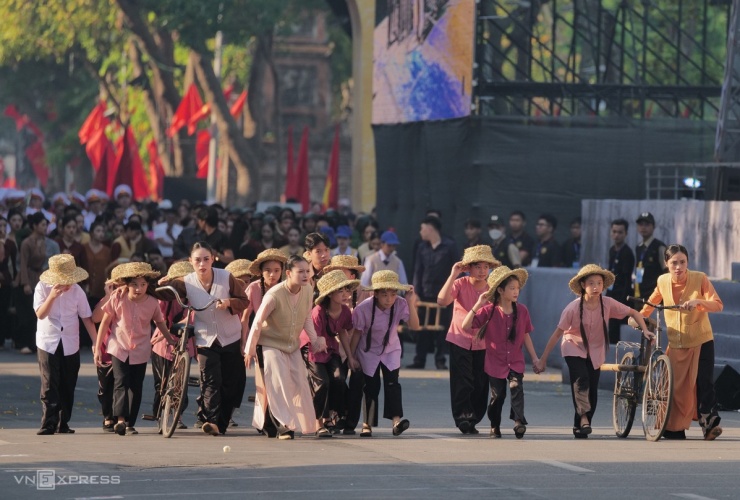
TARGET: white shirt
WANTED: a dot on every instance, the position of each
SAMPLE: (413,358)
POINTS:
(366,278)
(62,323)
(160,231)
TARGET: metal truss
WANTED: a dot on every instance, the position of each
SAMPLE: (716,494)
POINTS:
(627,58)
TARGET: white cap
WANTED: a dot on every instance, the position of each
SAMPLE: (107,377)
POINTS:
(78,197)
(37,193)
(122,189)
(60,197)
(93,195)
(165,204)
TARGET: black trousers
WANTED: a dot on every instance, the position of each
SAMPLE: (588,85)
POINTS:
(58,382)
(498,396)
(26,332)
(160,370)
(468,384)
(705,395)
(615,327)
(584,387)
(353,395)
(432,341)
(393,406)
(328,386)
(105,390)
(222,381)
(128,386)
(6,294)
(271,423)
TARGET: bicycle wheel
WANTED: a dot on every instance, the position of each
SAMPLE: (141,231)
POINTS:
(658,397)
(625,398)
(177,385)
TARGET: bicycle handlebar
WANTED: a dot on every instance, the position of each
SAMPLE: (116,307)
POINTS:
(659,307)
(179,300)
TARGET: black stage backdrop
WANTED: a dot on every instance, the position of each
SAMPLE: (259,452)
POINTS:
(474,167)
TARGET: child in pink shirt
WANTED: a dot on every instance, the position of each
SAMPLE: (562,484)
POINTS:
(583,328)
(129,313)
(505,326)
(468,380)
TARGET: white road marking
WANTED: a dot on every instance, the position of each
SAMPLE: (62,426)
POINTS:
(563,465)
(691,496)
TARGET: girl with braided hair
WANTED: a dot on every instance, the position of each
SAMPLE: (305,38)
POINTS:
(332,319)
(269,266)
(376,347)
(505,327)
(583,328)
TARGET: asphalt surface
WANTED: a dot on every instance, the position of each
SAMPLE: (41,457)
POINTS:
(431,460)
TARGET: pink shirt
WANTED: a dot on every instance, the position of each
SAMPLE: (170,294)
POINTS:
(465,296)
(343,322)
(131,326)
(391,355)
(593,323)
(502,354)
(254,294)
(160,346)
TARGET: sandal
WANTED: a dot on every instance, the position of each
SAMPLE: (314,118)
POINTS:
(585,429)
(323,433)
(519,430)
(366,431)
(400,426)
(495,433)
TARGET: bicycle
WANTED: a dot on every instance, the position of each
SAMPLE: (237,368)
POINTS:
(644,374)
(175,382)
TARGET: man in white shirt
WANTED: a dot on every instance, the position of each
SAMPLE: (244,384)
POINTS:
(59,302)
(166,233)
(384,259)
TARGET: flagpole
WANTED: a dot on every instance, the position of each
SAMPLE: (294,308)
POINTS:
(213,144)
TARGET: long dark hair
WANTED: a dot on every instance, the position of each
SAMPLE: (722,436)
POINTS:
(496,297)
(262,276)
(603,319)
(387,336)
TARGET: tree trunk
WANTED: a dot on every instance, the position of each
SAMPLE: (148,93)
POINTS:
(241,153)
(159,47)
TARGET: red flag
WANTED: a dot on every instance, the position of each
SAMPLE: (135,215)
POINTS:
(37,158)
(19,119)
(106,167)
(191,104)
(331,188)
(291,187)
(201,153)
(303,194)
(236,108)
(205,111)
(95,121)
(129,168)
(156,171)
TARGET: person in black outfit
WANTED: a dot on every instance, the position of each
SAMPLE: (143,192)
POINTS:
(649,254)
(504,248)
(621,264)
(522,240)
(572,246)
(472,233)
(547,253)
(434,258)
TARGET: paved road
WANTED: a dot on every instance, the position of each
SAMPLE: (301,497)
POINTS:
(431,460)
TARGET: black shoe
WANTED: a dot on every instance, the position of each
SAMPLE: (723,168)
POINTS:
(473,430)
(464,426)
(108,427)
(120,428)
(45,432)
(441,365)
(415,366)
(401,426)
(519,430)
(674,434)
(578,434)
(65,430)
(495,433)
(349,432)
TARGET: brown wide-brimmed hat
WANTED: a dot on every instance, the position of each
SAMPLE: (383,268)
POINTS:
(133,270)
(479,253)
(501,274)
(344,262)
(63,271)
(264,256)
(387,280)
(180,269)
(333,281)
(239,268)
(586,271)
